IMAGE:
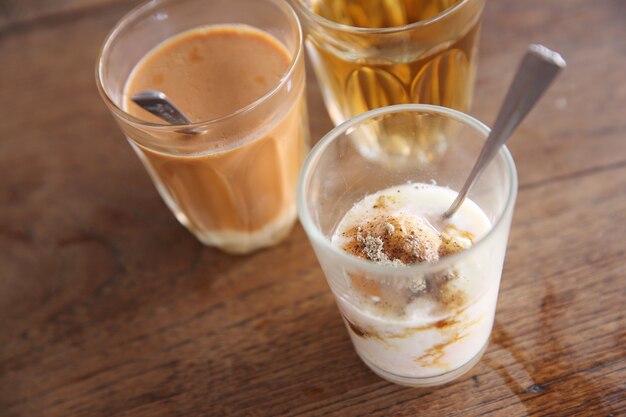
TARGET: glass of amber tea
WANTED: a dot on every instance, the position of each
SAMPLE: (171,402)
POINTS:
(374,53)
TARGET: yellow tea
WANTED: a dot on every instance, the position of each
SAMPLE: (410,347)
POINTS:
(376,60)
(380,13)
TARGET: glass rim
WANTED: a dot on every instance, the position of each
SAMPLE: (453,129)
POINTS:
(151,4)
(376,31)
(318,237)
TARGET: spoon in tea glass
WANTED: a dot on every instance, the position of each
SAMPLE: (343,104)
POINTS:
(536,72)
(157,103)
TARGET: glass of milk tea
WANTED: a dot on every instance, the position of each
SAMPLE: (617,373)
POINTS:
(236,70)
(417,292)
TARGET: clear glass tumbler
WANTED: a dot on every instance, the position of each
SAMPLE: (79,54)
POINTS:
(231,180)
(428,346)
(363,63)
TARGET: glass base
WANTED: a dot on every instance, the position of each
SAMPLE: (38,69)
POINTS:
(242,243)
(416,382)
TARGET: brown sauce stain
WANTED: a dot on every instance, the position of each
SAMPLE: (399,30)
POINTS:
(440,325)
(361,332)
(446,325)
(434,355)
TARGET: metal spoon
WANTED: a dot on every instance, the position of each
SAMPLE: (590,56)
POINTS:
(535,74)
(157,103)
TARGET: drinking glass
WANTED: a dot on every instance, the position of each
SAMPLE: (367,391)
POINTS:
(231,180)
(412,340)
(368,54)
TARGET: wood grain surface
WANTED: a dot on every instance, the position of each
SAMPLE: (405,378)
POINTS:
(108,307)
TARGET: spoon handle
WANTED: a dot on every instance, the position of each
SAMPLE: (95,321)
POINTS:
(535,74)
(157,103)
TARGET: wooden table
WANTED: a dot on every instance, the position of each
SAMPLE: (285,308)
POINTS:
(108,307)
